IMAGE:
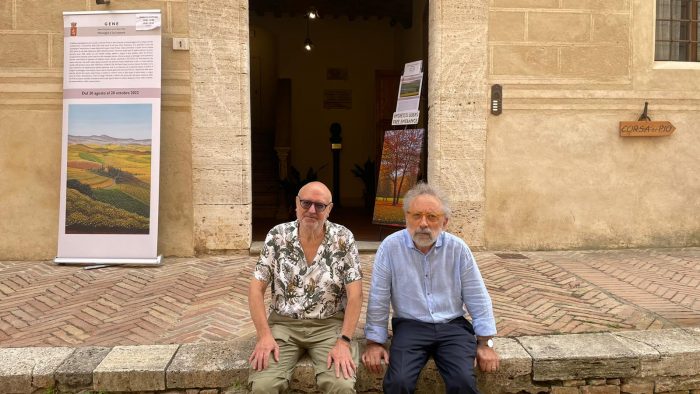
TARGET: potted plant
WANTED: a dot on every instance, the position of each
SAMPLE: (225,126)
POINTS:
(367,173)
(294,182)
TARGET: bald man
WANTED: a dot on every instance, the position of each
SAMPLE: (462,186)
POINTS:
(315,272)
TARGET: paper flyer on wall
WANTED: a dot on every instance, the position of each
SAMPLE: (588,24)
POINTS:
(409,93)
(111,138)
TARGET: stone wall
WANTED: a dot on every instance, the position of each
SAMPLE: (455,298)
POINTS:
(31,104)
(221,160)
(558,174)
(633,362)
(458,104)
(551,172)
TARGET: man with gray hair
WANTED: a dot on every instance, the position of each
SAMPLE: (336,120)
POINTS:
(428,276)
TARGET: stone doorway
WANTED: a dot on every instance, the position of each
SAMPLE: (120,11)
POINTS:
(296,96)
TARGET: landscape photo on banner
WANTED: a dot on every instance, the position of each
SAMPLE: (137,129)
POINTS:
(108,188)
(398,172)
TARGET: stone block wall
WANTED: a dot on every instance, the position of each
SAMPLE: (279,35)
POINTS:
(549,173)
(632,362)
(575,39)
(558,175)
(221,133)
(31,80)
(458,98)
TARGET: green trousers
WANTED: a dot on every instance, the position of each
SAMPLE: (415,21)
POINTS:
(296,337)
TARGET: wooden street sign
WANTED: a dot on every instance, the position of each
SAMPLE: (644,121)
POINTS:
(646,128)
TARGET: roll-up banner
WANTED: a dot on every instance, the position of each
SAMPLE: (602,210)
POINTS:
(111,138)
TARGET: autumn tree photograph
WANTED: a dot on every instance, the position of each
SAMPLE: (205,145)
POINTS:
(398,172)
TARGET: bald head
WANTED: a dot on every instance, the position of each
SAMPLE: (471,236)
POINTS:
(318,201)
(317,189)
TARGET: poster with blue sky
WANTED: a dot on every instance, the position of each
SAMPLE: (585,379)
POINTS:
(109,169)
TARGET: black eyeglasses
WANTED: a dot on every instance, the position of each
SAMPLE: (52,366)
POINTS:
(306,204)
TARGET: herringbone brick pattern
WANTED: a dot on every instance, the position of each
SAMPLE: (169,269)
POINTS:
(205,299)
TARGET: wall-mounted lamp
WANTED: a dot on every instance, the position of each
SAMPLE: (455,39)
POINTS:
(102,2)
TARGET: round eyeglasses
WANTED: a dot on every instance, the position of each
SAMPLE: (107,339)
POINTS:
(319,206)
(429,217)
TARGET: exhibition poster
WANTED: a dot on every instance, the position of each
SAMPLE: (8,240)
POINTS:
(111,138)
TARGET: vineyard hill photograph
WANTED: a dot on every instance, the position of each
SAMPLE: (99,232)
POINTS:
(109,169)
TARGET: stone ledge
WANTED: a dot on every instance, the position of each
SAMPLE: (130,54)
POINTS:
(77,370)
(23,370)
(209,365)
(134,368)
(577,356)
(632,361)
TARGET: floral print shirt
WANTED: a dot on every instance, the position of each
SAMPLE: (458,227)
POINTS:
(302,291)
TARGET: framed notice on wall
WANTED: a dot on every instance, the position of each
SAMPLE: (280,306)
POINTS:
(111,138)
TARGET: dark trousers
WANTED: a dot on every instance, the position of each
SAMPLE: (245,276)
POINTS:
(452,345)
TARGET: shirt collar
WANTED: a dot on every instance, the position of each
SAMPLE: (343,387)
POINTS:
(328,230)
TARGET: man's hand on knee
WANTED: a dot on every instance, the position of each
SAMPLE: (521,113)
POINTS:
(341,357)
(260,357)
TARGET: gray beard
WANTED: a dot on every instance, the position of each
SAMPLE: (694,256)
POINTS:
(423,242)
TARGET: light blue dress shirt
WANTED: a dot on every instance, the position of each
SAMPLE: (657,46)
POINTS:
(432,287)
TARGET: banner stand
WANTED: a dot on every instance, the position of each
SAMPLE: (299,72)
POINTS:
(110,164)
(101,261)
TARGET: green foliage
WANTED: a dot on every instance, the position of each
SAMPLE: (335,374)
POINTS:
(294,182)
(140,193)
(140,158)
(117,174)
(367,174)
(122,200)
(90,157)
(79,186)
(87,216)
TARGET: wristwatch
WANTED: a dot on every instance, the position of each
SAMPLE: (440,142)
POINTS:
(345,338)
(488,343)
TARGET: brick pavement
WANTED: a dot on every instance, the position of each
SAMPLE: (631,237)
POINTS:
(205,299)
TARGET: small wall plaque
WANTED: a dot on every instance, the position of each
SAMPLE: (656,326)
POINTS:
(337,99)
(646,128)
